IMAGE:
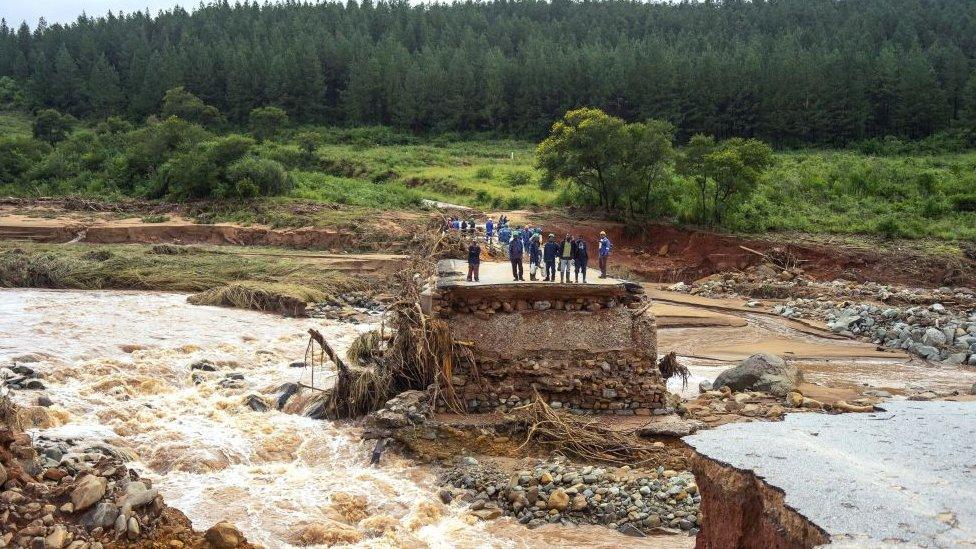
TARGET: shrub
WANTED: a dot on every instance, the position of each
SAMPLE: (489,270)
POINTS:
(518,178)
(51,126)
(934,207)
(964,202)
(514,203)
(891,226)
(18,155)
(484,172)
(258,176)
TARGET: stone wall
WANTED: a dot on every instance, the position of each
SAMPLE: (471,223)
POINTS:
(591,349)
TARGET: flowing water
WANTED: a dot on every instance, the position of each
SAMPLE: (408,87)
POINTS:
(117,366)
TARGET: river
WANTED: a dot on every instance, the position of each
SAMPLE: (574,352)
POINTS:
(117,366)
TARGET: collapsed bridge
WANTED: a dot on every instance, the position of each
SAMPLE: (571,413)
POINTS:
(587,348)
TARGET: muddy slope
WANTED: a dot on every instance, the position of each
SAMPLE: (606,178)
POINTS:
(665,253)
(741,511)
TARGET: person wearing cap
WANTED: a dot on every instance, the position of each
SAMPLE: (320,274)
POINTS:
(565,258)
(580,257)
(515,249)
(535,255)
(605,247)
(549,254)
(489,231)
(474,259)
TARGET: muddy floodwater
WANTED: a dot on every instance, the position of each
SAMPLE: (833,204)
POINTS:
(117,366)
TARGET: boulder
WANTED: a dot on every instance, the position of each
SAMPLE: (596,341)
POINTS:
(224,535)
(558,500)
(103,514)
(88,490)
(761,372)
(670,426)
(934,337)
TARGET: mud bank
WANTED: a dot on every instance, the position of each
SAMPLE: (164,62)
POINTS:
(740,510)
(185,233)
(901,475)
(665,253)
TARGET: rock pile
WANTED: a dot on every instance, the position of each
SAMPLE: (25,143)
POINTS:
(62,493)
(20,376)
(933,332)
(767,282)
(560,492)
(352,307)
(937,324)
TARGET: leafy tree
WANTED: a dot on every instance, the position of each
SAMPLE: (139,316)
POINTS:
(586,147)
(308,142)
(266,121)
(202,172)
(692,163)
(725,172)
(51,126)
(606,158)
(183,104)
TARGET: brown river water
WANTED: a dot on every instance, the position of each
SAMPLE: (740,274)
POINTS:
(117,367)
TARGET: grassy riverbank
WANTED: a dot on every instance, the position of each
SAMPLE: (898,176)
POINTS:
(227,277)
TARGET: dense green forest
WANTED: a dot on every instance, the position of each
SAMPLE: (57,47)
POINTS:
(789,72)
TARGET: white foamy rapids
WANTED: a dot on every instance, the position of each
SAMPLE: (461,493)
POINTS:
(117,367)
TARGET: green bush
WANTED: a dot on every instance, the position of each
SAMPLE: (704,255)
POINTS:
(518,178)
(258,176)
(18,155)
(964,202)
(890,226)
(484,172)
(935,207)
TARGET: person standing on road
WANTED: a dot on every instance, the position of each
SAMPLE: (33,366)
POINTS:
(515,256)
(565,257)
(504,237)
(535,254)
(605,247)
(489,231)
(474,259)
(580,257)
(549,254)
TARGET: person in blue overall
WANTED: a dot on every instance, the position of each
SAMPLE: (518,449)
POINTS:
(549,254)
(515,256)
(489,231)
(535,256)
(580,257)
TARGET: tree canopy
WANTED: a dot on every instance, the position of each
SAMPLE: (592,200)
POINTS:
(788,72)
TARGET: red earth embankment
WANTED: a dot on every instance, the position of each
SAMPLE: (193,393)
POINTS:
(741,511)
(665,253)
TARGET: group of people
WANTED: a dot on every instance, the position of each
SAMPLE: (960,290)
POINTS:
(570,256)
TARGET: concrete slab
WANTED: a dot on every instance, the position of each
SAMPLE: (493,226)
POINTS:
(906,475)
(453,272)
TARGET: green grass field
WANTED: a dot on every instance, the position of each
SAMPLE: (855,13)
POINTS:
(374,168)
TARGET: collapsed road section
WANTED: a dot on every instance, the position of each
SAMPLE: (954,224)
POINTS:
(582,347)
(903,475)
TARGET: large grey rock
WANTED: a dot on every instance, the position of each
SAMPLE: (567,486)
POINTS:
(103,514)
(670,426)
(761,372)
(934,337)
